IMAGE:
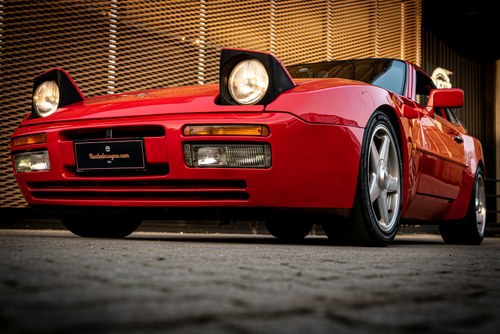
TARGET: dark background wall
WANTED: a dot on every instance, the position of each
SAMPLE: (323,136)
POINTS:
(462,37)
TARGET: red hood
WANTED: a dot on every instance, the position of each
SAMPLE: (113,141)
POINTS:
(175,100)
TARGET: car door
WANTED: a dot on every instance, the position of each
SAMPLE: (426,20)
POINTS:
(443,158)
(440,144)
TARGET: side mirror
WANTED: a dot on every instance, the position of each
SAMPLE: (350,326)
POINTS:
(445,98)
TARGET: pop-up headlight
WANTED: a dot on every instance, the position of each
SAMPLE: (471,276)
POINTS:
(46,98)
(248,82)
(249,77)
(52,90)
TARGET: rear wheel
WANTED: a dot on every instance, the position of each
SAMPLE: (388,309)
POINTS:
(101,227)
(289,230)
(376,211)
(470,230)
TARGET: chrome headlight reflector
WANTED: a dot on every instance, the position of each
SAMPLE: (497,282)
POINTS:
(32,161)
(46,98)
(228,155)
(248,82)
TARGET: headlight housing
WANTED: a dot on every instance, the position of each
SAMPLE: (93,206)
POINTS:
(251,78)
(248,82)
(32,161)
(217,155)
(46,98)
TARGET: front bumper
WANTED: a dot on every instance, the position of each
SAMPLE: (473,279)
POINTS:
(314,166)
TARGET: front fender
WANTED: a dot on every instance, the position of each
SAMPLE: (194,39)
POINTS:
(333,101)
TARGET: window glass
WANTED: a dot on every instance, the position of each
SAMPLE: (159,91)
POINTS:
(385,73)
(451,117)
(392,78)
(423,88)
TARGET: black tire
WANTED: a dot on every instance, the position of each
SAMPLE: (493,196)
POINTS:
(376,211)
(289,230)
(471,229)
(101,227)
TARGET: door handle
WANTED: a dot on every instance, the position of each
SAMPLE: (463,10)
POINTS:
(458,139)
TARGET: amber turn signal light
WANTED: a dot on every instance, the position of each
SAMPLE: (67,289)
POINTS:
(39,138)
(226,130)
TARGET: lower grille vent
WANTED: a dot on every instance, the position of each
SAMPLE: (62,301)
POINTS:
(180,196)
(141,190)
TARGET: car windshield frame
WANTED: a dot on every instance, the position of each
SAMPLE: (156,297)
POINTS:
(380,72)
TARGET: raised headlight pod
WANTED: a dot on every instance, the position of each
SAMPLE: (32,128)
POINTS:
(46,98)
(52,90)
(248,82)
(228,155)
(249,77)
(32,161)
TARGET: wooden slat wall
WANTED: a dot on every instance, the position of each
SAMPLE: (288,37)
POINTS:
(37,36)
(112,46)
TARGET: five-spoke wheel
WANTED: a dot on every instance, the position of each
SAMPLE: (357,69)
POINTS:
(384,177)
(376,212)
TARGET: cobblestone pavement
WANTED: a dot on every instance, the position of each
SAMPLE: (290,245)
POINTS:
(54,282)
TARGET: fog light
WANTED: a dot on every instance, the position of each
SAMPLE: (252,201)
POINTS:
(228,155)
(32,161)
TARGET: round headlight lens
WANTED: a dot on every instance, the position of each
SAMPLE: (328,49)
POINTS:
(46,98)
(248,82)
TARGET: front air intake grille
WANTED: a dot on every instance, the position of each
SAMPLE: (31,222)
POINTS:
(118,132)
(175,190)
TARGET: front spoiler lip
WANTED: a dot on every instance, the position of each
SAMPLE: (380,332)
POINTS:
(223,214)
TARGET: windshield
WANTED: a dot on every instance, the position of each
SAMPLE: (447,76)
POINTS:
(385,73)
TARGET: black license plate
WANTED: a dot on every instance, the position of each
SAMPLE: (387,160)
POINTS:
(109,154)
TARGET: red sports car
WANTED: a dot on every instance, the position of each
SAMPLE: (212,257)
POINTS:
(355,145)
